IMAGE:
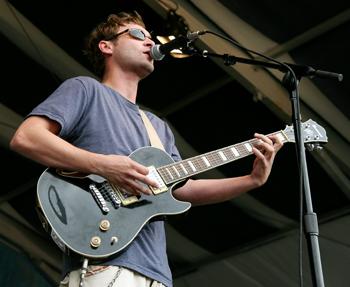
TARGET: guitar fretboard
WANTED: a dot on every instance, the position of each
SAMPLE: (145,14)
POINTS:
(186,168)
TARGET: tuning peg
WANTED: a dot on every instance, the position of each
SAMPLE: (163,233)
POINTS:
(319,147)
(310,146)
(313,146)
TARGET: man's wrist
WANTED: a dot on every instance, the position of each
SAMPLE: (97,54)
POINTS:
(255,182)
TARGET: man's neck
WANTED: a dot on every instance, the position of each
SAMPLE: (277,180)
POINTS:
(125,84)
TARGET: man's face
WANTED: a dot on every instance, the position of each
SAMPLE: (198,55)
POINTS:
(132,49)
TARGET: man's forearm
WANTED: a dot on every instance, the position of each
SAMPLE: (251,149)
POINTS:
(204,191)
(41,145)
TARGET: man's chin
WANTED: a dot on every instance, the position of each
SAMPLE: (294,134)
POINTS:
(146,71)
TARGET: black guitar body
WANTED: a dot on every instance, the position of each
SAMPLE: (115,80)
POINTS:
(84,227)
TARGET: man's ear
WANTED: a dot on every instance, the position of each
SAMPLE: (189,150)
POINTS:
(105,47)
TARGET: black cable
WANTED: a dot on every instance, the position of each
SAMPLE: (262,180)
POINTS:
(234,42)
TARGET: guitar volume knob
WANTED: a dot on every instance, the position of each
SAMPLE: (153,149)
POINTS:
(95,241)
(105,225)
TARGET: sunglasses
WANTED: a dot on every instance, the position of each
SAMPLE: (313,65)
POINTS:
(133,32)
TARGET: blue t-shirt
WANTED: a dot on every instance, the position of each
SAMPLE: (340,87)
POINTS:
(96,118)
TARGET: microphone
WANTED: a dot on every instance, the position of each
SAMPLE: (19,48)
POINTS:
(160,50)
(307,71)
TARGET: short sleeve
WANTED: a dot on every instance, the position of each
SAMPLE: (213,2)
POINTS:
(66,105)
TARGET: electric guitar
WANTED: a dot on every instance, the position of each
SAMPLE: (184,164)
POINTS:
(96,219)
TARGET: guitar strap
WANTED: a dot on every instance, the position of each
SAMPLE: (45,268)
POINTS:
(152,134)
(155,142)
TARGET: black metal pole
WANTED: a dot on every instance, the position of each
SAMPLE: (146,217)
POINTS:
(310,217)
(292,84)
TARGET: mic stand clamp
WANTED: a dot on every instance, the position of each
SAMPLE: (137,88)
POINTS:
(229,60)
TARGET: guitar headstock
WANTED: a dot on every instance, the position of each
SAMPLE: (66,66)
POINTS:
(313,134)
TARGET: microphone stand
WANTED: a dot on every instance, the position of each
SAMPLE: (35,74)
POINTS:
(291,84)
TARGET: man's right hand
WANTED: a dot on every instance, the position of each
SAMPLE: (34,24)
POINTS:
(126,173)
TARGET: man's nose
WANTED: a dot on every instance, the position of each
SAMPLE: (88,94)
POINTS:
(149,42)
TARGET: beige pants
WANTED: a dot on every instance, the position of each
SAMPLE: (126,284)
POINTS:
(102,276)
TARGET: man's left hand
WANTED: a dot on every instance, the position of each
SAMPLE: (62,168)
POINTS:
(265,152)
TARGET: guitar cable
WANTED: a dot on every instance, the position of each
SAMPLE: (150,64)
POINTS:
(83,272)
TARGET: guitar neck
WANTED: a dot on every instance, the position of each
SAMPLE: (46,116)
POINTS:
(186,168)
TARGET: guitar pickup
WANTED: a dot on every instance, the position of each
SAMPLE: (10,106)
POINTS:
(125,197)
(154,175)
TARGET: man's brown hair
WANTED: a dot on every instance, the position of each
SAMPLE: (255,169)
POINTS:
(106,30)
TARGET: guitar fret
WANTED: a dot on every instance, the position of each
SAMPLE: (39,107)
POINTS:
(173,172)
(216,158)
(206,161)
(241,149)
(228,153)
(184,169)
(219,157)
(222,155)
(209,157)
(200,163)
(191,166)
(176,171)
(195,163)
(179,171)
(235,151)
(169,173)
(164,174)
(248,147)
(187,168)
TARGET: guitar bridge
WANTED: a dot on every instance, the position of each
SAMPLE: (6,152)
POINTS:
(98,198)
